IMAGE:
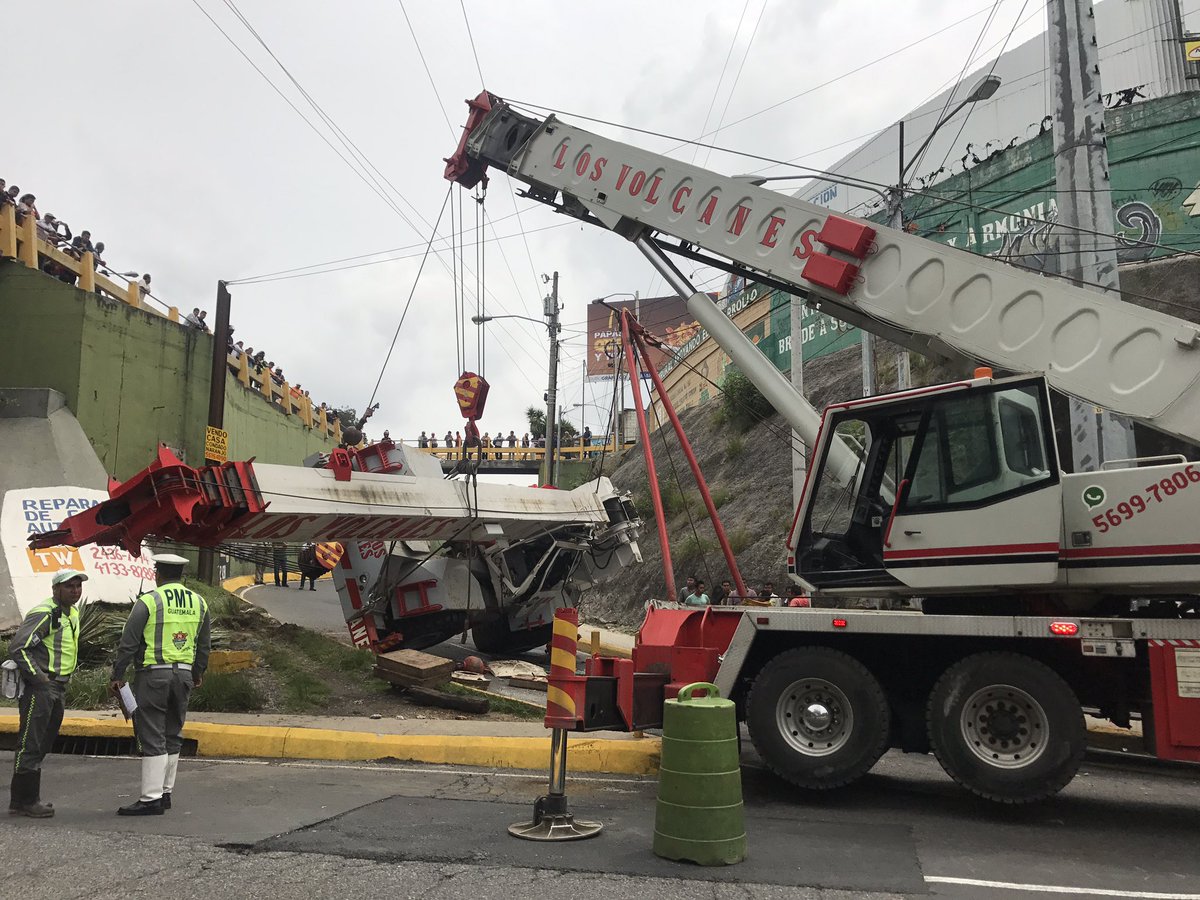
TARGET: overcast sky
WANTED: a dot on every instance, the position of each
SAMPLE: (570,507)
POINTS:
(139,121)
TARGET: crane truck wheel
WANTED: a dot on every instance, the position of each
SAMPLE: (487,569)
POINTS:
(818,717)
(493,636)
(1006,727)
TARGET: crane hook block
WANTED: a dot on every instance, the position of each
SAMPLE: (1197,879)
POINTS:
(471,391)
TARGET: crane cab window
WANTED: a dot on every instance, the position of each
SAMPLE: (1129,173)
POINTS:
(980,446)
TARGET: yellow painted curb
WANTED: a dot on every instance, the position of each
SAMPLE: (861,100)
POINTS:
(626,756)
(233,585)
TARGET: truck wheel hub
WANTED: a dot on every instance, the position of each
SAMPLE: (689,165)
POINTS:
(814,717)
(1004,726)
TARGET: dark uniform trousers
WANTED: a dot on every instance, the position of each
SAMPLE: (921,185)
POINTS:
(162,698)
(41,710)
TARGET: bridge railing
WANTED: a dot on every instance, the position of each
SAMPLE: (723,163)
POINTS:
(283,395)
(22,242)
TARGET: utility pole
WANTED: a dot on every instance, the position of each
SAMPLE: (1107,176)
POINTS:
(903,366)
(216,403)
(799,451)
(1085,242)
(551,312)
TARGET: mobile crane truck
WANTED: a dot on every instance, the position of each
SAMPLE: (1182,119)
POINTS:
(1040,592)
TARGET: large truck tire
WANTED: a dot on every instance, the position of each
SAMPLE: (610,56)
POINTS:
(493,636)
(818,718)
(1006,727)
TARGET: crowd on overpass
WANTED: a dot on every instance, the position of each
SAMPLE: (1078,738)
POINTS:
(500,445)
(57,233)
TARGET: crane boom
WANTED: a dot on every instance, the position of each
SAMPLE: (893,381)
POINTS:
(930,297)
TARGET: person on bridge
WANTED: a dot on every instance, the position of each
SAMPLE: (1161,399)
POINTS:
(45,649)
(166,637)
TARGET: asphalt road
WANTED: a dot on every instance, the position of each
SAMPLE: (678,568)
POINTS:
(316,610)
(283,830)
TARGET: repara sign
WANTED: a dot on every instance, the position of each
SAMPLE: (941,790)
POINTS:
(113,575)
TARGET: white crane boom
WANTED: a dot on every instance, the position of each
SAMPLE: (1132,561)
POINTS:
(930,297)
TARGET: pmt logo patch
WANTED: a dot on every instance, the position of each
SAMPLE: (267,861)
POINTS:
(179,639)
(1094,496)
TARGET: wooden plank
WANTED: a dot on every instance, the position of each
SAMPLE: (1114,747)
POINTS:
(532,684)
(427,697)
(407,680)
(415,665)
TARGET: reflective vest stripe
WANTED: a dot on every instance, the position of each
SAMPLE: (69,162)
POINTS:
(62,648)
(174,616)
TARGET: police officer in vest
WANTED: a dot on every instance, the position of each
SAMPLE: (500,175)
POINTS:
(166,637)
(45,650)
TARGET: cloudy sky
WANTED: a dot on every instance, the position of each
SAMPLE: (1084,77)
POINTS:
(142,122)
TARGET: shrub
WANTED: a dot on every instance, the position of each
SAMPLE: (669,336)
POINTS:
(739,540)
(226,692)
(88,689)
(735,447)
(100,629)
(693,548)
(720,496)
(745,406)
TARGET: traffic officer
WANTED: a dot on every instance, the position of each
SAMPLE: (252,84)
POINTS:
(166,637)
(45,649)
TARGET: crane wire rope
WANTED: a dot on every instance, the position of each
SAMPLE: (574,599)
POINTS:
(374,181)
(412,292)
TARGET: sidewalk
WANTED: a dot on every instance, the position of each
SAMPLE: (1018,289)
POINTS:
(500,745)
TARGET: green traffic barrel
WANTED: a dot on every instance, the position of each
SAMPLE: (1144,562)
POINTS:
(699,817)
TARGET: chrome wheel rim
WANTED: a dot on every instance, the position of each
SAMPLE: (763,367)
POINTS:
(814,716)
(1004,726)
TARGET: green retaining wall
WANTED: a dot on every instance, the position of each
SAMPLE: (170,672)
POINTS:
(133,379)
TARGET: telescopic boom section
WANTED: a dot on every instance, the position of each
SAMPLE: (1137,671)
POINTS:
(248,502)
(932,298)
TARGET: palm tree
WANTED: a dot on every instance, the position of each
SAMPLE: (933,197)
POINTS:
(537,424)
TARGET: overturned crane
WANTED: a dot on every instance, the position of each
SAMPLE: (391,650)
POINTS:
(426,557)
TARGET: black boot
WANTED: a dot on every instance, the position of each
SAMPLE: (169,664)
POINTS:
(16,796)
(142,808)
(166,800)
(26,788)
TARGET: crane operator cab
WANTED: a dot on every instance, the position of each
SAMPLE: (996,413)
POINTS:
(952,488)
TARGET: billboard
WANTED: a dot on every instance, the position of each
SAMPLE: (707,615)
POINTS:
(666,318)
(113,575)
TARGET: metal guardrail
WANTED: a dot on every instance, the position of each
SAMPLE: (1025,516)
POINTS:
(572,452)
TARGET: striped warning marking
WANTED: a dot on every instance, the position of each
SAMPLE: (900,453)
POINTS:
(1058,889)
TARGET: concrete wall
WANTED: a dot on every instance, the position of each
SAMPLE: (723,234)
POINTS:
(133,379)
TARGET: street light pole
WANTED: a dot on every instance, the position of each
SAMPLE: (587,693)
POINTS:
(982,90)
(552,386)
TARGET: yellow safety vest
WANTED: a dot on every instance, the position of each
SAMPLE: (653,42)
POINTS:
(62,641)
(175,616)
